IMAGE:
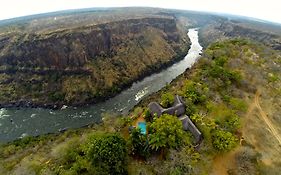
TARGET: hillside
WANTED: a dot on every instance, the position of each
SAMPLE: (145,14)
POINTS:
(268,34)
(75,58)
(234,90)
(85,56)
(77,65)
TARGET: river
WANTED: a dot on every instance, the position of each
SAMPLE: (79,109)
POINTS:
(17,123)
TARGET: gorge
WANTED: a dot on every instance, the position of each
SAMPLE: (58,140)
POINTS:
(16,123)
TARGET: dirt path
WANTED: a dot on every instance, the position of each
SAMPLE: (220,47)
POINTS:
(266,119)
(222,163)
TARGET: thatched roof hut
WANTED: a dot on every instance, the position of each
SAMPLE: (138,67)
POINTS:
(178,109)
(189,126)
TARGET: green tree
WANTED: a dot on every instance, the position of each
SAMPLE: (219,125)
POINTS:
(232,123)
(107,153)
(138,143)
(166,132)
(195,92)
(167,100)
(223,141)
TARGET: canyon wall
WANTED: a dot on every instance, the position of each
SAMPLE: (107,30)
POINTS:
(88,63)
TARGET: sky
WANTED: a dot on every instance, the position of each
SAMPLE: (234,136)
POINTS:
(262,9)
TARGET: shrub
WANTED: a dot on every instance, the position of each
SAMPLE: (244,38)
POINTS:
(190,108)
(138,144)
(167,100)
(204,124)
(232,123)
(71,152)
(147,115)
(195,92)
(225,117)
(223,141)
(220,61)
(107,153)
(182,161)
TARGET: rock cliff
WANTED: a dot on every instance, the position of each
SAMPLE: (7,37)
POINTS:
(85,64)
(232,29)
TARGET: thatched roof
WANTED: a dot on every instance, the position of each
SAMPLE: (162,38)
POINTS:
(188,125)
(177,109)
(155,108)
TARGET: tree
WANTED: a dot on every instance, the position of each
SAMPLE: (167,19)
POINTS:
(107,153)
(138,143)
(232,123)
(166,132)
(195,92)
(223,141)
(167,100)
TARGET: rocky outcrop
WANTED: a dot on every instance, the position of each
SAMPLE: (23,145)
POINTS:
(86,64)
(75,47)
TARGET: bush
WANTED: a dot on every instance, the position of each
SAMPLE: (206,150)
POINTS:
(107,153)
(71,152)
(138,144)
(184,160)
(223,141)
(167,100)
(205,125)
(190,108)
(225,117)
(220,61)
(195,92)
(147,115)
(232,123)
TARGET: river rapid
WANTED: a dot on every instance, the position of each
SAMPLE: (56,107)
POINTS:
(17,123)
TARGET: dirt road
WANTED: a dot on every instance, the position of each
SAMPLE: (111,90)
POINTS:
(266,119)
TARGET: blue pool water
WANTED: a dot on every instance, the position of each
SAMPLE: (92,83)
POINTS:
(142,126)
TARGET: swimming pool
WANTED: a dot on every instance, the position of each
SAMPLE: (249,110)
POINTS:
(142,126)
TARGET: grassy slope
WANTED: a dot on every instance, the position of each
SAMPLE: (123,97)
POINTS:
(259,67)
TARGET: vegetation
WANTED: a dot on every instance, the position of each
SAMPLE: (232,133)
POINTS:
(167,100)
(107,153)
(223,140)
(217,93)
(166,132)
(138,144)
(95,69)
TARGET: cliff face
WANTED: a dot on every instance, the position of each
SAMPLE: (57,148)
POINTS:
(228,29)
(74,48)
(85,64)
